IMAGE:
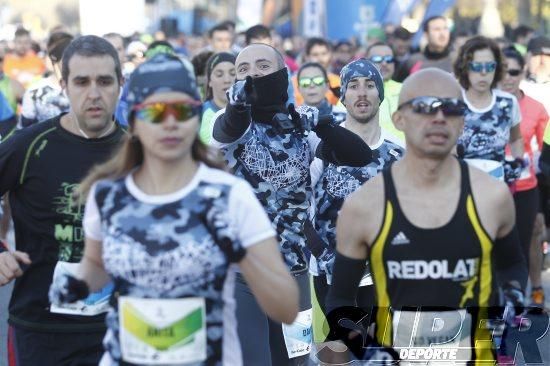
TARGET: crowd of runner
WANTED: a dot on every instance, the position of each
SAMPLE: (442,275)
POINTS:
(232,199)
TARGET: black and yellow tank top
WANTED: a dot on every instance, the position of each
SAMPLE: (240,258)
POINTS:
(448,267)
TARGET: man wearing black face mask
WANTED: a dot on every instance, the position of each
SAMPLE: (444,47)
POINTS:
(273,151)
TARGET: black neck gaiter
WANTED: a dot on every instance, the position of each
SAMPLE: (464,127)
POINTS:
(270,96)
(436,55)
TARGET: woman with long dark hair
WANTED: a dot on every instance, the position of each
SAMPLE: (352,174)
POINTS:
(493,116)
(168,228)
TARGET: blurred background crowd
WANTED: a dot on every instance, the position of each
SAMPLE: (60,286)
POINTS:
(33,35)
(400,36)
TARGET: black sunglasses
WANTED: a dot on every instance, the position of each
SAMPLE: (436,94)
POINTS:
(513,72)
(430,105)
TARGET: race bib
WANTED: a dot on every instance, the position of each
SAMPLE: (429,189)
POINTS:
(298,335)
(96,303)
(162,331)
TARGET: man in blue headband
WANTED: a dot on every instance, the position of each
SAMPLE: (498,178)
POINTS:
(352,76)
(362,91)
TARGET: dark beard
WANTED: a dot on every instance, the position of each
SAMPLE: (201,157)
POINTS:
(367,119)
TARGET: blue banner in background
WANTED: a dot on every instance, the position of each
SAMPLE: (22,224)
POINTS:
(397,9)
(346,19)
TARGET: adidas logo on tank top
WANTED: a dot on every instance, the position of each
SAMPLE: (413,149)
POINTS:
(400,239)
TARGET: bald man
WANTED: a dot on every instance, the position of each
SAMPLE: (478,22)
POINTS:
(436,232)
(272,146)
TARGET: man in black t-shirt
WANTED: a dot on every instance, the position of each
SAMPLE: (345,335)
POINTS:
(41,167)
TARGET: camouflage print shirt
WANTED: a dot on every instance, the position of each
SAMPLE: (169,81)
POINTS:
(332,184)
(487,131)
(276,164)
(162,247)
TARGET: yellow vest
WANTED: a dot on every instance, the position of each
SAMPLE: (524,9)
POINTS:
(388,106)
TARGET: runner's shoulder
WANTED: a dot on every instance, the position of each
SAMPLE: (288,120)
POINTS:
(491,196)
(365,208)
(22,138)
(368,200)
(486,185)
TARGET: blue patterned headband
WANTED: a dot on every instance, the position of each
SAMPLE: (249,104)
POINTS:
(361,68)
(161,73)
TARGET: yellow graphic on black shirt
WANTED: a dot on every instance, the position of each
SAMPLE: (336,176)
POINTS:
(468,291)
(69,233)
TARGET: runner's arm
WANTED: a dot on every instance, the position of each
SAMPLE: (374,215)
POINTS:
(271,283)
(91,269)
(351,256)
(232,124)
(516,142)
(509,261)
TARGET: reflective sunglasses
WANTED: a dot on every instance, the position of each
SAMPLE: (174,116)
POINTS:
(158,112)
(430,105)
(482,66)
(306,82)
(378,59)
(513,72)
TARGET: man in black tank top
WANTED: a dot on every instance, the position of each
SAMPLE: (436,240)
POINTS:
(437,234)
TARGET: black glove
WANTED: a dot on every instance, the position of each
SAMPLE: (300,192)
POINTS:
(217,224)
(67,289)
(513,169)
(295,119)
(241,93)
(309,116)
